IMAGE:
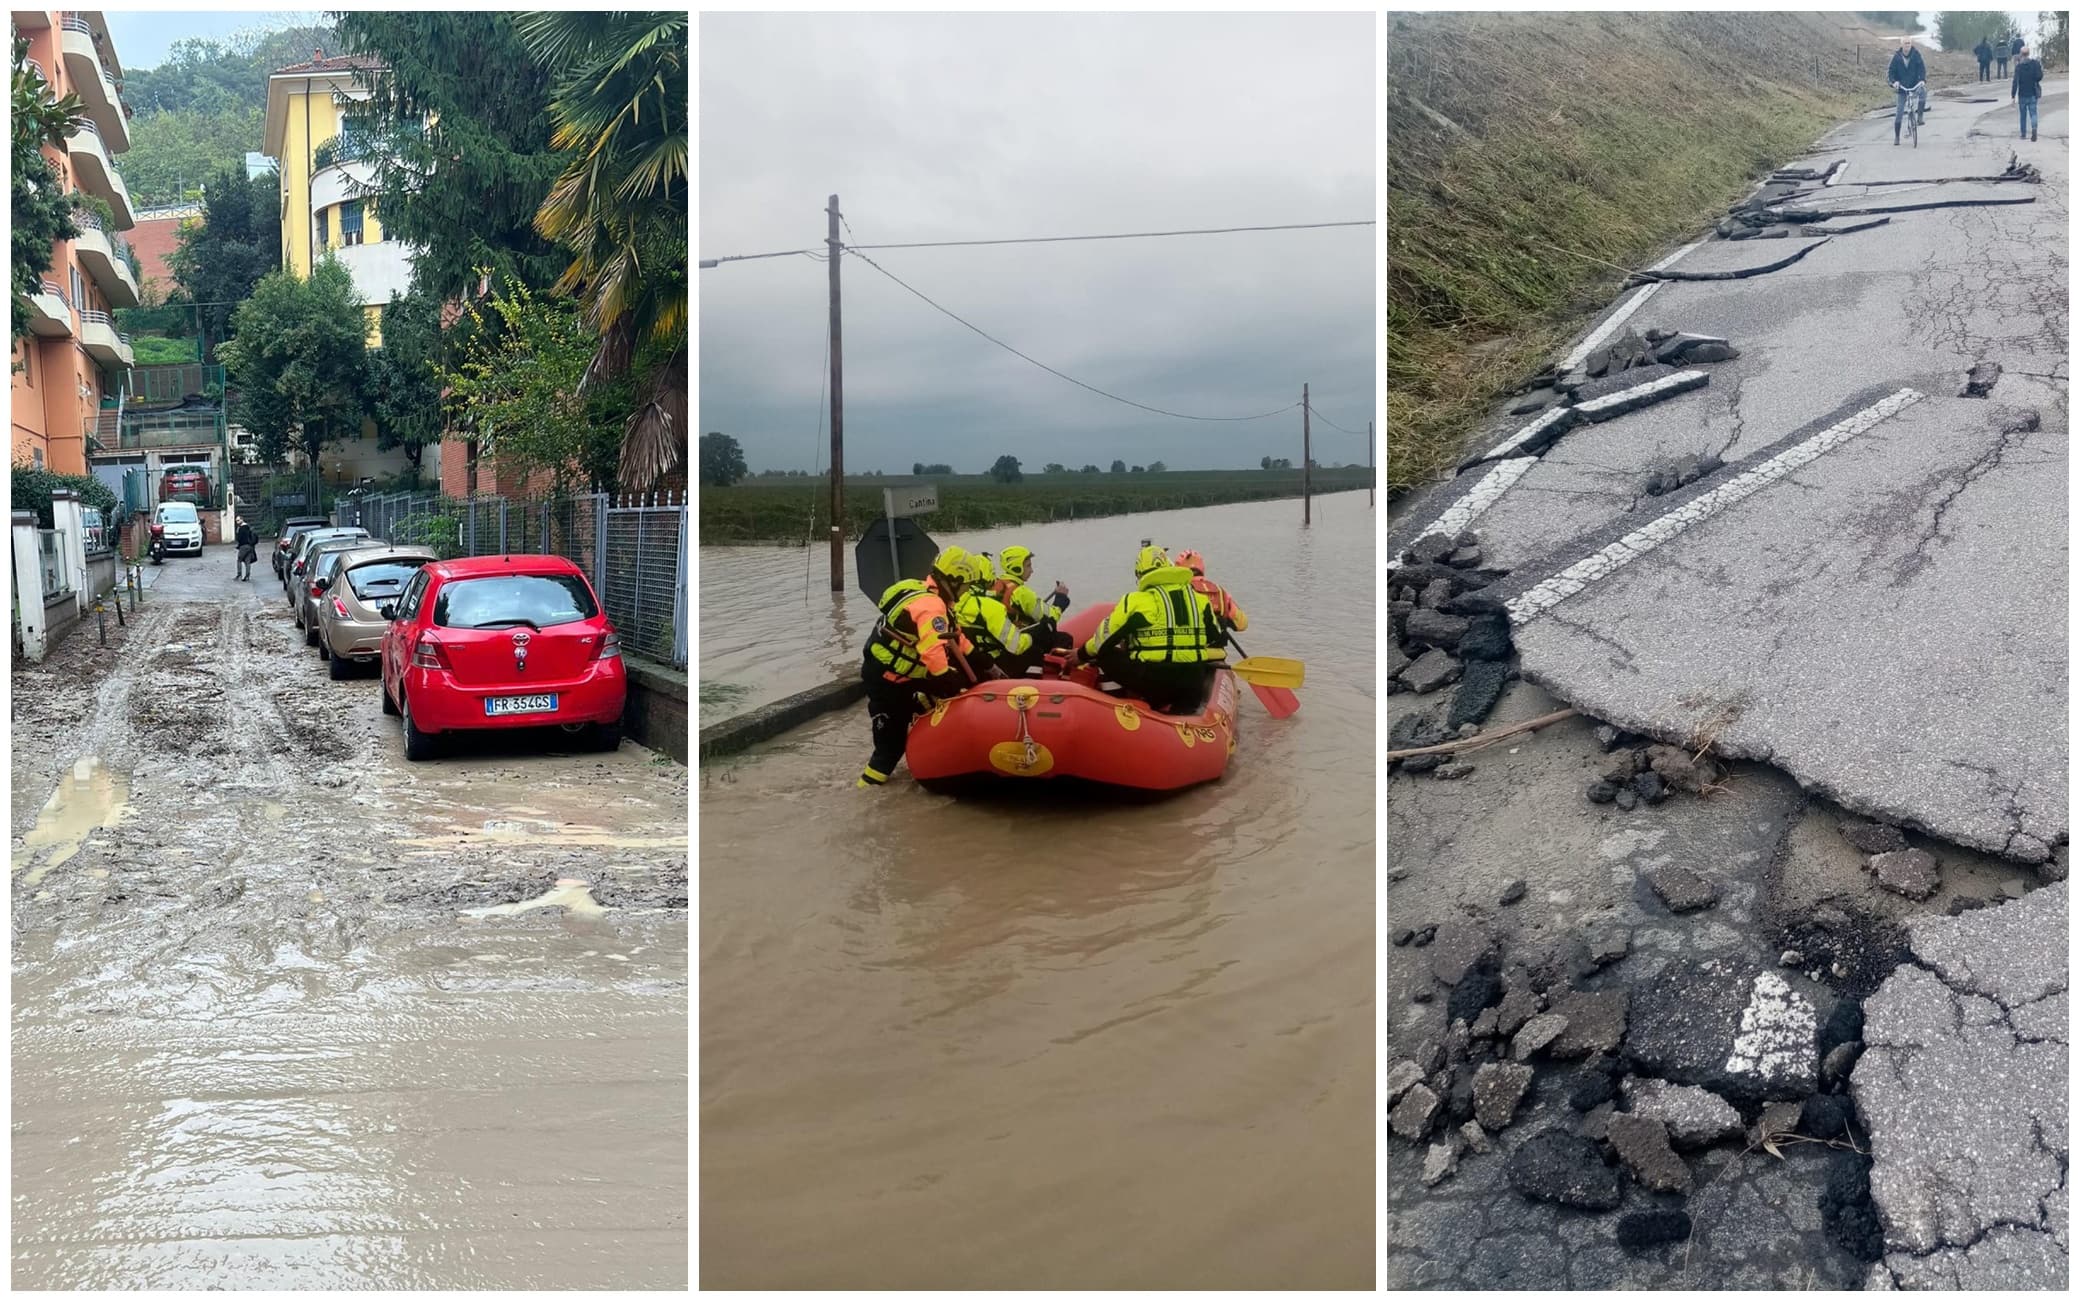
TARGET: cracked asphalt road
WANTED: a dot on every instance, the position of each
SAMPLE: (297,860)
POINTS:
(1887,623)
(1963,1085)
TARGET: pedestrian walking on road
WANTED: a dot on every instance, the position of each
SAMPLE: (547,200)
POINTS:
(1984,49)
(248,550)
(2029,84)
(2000,55)
(1907,73)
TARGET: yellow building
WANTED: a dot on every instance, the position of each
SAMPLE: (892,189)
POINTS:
(325,177)
(72,363)
(327,208)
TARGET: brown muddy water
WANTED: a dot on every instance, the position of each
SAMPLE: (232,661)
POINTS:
(1049,1041)
(289,1012)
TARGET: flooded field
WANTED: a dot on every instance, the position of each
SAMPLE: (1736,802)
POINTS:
(1045,1041)
(291,1013)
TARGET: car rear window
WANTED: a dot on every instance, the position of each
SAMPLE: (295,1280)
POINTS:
(382,578)
(509,600)
(177,513)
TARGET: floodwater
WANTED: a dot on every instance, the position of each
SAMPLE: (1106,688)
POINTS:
(289,1012)
(1049,1041)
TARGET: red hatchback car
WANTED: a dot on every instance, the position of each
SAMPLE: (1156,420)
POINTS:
(501,642)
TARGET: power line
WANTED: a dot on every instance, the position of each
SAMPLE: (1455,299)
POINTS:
(1130,235)
(1317,411)
(1040,239)
(1049,369)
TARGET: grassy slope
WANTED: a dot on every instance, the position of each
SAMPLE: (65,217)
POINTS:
(1530,156)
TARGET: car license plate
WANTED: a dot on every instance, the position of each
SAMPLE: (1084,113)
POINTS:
(520,704)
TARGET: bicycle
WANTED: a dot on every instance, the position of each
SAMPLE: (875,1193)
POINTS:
(1915,112)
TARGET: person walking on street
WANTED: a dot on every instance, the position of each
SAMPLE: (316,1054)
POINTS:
(2029,84)
(248,550)
(2000,56)
(1984,49)
(1907,73)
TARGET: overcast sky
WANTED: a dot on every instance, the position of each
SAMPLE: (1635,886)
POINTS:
(987,126)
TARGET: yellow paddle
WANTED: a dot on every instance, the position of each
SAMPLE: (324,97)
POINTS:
(1270,671)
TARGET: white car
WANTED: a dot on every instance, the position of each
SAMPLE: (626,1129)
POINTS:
(180,526)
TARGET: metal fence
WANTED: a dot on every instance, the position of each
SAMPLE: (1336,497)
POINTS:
(53,564)
(632,548)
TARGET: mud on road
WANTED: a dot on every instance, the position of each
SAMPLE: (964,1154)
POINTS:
(289,1012)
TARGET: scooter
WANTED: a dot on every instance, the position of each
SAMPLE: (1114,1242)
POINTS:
(158,545)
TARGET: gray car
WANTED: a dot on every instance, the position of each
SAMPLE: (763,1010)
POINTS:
(292,569)
(320,561)
(350,618)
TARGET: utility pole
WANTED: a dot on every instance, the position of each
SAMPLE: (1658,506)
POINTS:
(1306,462)
(837,414)
(1371,473)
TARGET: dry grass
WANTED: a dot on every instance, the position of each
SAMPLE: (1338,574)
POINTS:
(1530,157)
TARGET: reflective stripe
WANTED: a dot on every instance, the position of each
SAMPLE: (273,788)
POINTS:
(890,644)
(1180,633)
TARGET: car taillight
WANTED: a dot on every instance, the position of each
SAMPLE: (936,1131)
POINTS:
(427,654)
(339,608)
(609,648)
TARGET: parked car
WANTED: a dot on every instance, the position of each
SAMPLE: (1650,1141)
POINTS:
(350,619)
(501,642)
(292,569)
(293,528)
(180,526)
(184,486)
(319,564)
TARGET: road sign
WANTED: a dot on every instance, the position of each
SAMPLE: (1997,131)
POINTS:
(891,550)
(916,499)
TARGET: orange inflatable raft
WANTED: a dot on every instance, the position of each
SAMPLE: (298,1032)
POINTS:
(1065,727)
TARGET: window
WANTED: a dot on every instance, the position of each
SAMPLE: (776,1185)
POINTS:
(381,580)
(350,222)
(36,456)
(77,297)
(539,600)
(409,606)
(28,364)
(319,243)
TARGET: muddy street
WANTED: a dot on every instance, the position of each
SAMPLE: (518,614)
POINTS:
(1041,1039)
(290,1012)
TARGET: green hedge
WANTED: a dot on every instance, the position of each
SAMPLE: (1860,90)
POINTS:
(33,486)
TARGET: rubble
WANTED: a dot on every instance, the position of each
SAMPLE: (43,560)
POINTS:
(1694,1117)
(1536,1034)
(1442,1159)
(1497,1090)
(1554,1166)
(1641,1143)
(1402,1075)
(1911,873)
(1681,890)
(1411,1117)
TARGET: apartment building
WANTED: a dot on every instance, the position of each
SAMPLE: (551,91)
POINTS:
(74,361)
(327,209)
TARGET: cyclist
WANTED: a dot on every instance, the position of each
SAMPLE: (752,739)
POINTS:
(1907,76)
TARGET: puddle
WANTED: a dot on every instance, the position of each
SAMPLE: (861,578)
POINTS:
(570,893)
(90,797)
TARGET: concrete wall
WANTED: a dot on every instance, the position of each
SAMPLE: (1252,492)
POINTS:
(656,715)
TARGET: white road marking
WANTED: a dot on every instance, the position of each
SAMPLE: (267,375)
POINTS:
(1680,380)
(1600,564)
(1526,434)
(1479,498)
(1626,309)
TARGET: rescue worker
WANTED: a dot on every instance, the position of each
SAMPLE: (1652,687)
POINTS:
(1017,566)
(908,650)
(1162,640)
(1224,606)
(1002,648)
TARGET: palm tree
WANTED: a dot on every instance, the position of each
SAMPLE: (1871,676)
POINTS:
(619,109)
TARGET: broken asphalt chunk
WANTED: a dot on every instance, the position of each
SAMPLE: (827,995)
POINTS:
(1498,1087)
(1979,381)
(1694,1117)
(1911,873)
(1641,1143)
(1554,1166)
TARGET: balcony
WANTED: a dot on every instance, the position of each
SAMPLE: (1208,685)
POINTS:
(96,89)
(105,256)
(50,312)
(339,179)
(97,333)
(170,431)
(380,271)
(96,172)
